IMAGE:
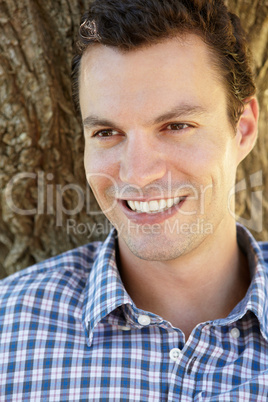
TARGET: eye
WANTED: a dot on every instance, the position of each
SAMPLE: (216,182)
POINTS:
(178,126)
(106,133)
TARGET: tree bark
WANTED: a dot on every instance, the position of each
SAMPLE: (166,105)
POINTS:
(252,201)
(41,150)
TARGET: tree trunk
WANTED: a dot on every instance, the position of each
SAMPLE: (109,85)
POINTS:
(41,152)
(252,175)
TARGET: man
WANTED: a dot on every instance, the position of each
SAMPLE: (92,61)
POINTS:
(173,305)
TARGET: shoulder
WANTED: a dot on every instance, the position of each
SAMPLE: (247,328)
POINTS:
(264,249)
(69,269)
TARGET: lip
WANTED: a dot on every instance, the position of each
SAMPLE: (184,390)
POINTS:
(143,218)
(144,199)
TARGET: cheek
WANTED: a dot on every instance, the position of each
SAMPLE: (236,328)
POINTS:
(209,167)
(101,173)
(197,162)
(100,161)
(99,185)
(204,156)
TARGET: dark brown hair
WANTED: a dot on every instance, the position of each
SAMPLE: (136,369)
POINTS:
(130,24)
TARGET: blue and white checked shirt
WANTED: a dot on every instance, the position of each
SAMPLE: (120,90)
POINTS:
(70,332)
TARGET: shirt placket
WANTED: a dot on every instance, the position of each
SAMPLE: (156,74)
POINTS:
(183,367)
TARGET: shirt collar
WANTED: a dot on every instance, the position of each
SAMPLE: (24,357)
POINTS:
(104,291)
(256,299)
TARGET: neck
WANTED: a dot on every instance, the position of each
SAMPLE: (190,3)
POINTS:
(204,284)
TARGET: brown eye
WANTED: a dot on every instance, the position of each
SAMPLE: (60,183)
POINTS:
(177,126)
(105,133)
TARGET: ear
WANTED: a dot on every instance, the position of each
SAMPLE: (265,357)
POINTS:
(247,128)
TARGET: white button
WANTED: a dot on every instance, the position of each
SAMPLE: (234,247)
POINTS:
(174,354)
(144,319)
(124,328)
(235,333)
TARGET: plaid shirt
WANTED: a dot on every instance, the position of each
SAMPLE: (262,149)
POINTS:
(70,332)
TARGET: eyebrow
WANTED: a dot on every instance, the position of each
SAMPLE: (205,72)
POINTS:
(94,121)
(183,110)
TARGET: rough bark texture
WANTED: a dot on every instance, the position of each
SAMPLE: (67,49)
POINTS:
(41,150)
(254,16)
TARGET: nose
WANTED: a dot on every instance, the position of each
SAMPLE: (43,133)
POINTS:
(141,162)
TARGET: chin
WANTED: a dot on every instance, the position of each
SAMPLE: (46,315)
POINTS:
(164,250)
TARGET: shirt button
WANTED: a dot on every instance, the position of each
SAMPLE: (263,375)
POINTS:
(124,327)
(174,354)
(235,333)
(144,320)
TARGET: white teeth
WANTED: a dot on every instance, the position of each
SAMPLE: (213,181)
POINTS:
(137,205)
(131,204)
(153,206)
(162,204)
(170,202)
(144,207)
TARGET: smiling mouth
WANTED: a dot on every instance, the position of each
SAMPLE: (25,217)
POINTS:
(154,206)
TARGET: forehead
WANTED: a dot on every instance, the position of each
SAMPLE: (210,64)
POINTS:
(164,72)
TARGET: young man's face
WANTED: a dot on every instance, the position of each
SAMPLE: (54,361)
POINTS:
(160,152)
